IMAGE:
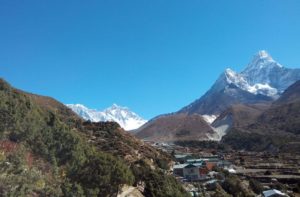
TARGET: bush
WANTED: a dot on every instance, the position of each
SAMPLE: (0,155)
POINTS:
(220,192)
(101,173)
(233,186)
(256,186)
(157,183)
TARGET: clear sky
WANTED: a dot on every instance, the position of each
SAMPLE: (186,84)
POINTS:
(154,56)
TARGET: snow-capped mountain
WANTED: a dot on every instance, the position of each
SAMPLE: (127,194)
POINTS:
(257,88)
(264,75)
(122,115)
(262,80)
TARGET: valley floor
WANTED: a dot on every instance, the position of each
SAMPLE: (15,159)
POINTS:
(235,172)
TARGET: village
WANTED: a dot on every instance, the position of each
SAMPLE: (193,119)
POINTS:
(201,171)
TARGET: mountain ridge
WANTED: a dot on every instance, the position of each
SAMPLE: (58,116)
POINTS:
(122,115)
(263,78)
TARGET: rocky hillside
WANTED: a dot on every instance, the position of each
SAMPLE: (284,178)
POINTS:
(47,150)
(238,115)
(175,127)
(292,94)
(276,129)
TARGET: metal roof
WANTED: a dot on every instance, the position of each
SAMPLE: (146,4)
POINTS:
(179,166)
(273,192)
(180,156)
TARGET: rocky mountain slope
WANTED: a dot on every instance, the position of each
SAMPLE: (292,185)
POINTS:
(238,115)
(122,115)
(276,129)
(47,150)
(292,94)
(176,127)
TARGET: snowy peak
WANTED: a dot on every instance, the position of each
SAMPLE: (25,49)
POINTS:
(263,69)
(263,55)
(83,111)
(263,75)
(241,82)
(117,107)
(126,118)
(230,74)
(261,62)
(263,80)
(122,115)
(235,78)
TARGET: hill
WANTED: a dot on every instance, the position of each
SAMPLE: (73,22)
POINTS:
(175,127)
(47,150)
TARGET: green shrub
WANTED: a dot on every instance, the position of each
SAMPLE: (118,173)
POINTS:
(256,186)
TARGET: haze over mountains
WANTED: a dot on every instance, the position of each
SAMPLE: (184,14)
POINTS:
(249,93)
(122,115)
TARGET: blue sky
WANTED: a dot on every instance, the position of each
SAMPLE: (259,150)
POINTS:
(152,56)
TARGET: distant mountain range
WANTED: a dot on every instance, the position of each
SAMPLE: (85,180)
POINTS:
(122,115)
(234,99)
